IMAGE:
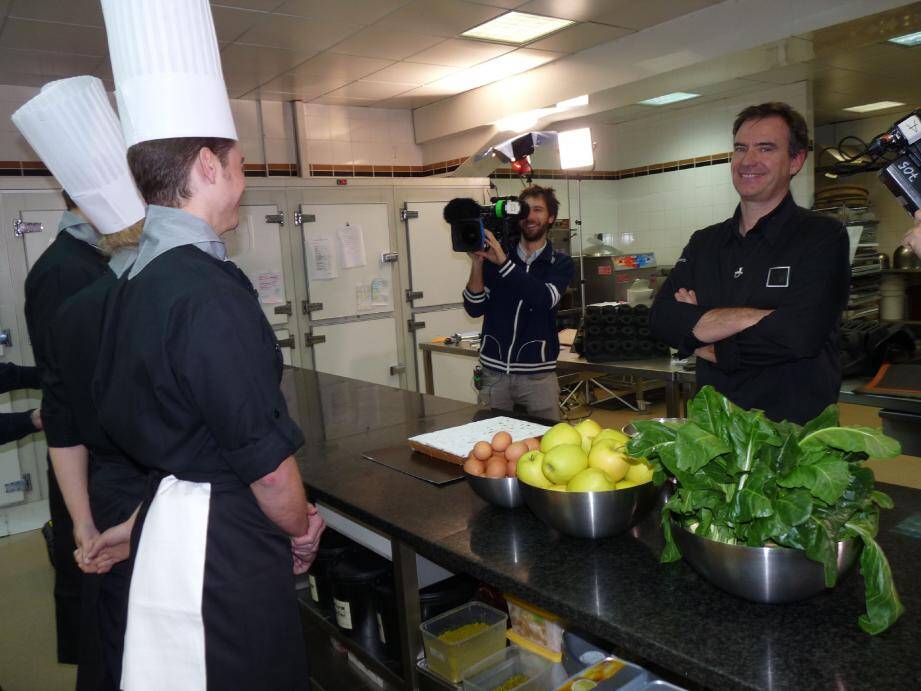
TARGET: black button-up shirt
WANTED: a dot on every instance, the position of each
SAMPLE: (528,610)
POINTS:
(792,261)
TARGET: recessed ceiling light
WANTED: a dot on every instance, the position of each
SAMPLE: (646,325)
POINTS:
(907,39)
(879,105)
(516,27)
(673,97)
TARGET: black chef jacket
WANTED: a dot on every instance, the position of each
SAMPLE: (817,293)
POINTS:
(792,261)
(15,426)
(66,267)
(196,398)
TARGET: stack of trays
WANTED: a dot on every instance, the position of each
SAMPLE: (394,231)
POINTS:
(618,332)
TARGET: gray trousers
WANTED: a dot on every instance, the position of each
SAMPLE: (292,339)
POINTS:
(539,393)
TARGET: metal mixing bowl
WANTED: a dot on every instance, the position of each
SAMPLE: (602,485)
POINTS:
(761,574)
(630,430)
(500,491)
(590,514)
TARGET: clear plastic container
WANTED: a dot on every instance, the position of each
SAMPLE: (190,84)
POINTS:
(451,658)
(608,675)
(499,671)
(535,625)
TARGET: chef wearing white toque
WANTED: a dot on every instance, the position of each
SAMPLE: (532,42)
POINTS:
(187,383)
(72,122)
(71,126)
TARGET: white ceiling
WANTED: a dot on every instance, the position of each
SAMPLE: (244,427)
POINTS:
(384,53)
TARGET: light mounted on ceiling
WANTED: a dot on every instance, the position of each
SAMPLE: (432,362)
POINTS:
(517,28)
(870,107)
(674,97)
(907,39)
(576,150)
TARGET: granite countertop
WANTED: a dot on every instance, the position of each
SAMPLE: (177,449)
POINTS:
(663,616)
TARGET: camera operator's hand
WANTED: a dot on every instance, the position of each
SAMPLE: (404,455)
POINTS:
(494,251)
(912,239)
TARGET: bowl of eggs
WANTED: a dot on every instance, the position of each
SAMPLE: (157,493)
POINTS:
(491,469)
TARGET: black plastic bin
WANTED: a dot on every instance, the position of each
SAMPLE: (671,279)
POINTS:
(354,578)
(333,547)
(434,599)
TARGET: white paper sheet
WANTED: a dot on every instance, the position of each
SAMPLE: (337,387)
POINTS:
(321,258)
(460,440)
(271,287)
(352,246)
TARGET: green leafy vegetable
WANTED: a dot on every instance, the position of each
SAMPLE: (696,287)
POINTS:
(743,479)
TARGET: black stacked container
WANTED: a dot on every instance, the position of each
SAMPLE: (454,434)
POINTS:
(334,546)
(617,332)
(354,578)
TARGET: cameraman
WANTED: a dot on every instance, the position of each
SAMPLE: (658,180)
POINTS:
(517,297)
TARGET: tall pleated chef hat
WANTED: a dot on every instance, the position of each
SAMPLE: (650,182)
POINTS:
(167,68)
(71,126)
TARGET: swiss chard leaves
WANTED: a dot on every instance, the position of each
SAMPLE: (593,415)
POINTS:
(743,479)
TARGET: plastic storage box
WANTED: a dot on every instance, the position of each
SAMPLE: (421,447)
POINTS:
(451,658)
(499,671)
(536,626)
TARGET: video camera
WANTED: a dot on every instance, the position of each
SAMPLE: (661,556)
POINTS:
(903,175)
(468,220)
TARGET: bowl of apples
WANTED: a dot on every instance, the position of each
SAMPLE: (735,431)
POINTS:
(581,482)
(491,469)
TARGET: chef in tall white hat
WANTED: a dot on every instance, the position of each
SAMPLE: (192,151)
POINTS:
(71,126)
(187,383)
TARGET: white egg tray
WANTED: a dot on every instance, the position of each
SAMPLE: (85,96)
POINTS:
(458,441)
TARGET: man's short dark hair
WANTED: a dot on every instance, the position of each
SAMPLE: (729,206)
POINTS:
(547,193)
(799,132)
(161,166)
(69,203)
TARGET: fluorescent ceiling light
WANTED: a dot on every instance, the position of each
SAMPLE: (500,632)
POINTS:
(879,105)
(573,102)
(576,148)
(907,39)
(673,97)
(516,27)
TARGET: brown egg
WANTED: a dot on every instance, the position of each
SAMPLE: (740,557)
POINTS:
(475,466)
(511,468)
(496,467)
(532,444)
(515,450)
(482,450)
(501,441)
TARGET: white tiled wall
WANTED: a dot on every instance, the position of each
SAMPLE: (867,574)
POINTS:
(658,213)
(894,221)
(355,135)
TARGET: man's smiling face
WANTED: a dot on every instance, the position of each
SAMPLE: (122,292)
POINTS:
(761,162)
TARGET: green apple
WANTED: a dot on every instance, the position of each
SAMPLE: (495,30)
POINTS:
(561,433)
(591,480)
(529,470)
(564,461)
(613,434)
(586,444)
(588,428)
(609,456)
(639,472)
(558,488)
(624,484)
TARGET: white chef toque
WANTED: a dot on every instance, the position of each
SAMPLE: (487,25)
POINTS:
(167,69)
(71,126)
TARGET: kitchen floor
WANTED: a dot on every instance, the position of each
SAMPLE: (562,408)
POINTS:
(27,637)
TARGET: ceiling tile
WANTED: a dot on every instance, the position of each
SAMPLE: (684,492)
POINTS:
(493,70)
(579,37)
(393,45)
(49,66)
(295,33)
(411,73)
(263,5)
(580,11)
(460,52)
(504,4)
(641,15)
(371,90)
(306,86)
(343,101)
(348,11)
(242,63)
(84,12)
(230,23)
(64,38)
(335,66)
(438,17)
